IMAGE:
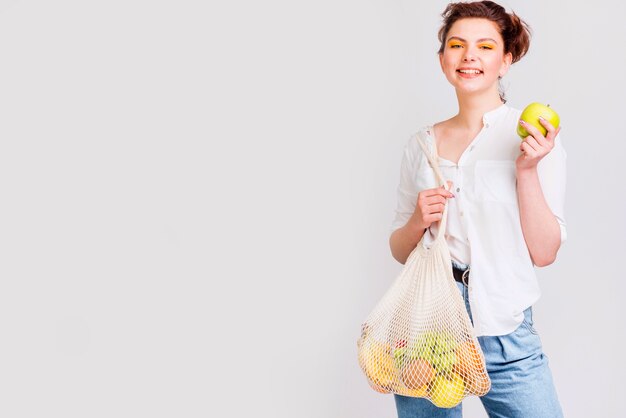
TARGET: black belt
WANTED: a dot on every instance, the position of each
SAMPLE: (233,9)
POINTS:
(458,275)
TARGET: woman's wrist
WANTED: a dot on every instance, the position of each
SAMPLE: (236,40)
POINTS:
(415,227)
(526,172)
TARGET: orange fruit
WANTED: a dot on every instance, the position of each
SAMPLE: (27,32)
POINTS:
(470,366)
(468,357)
(420,392)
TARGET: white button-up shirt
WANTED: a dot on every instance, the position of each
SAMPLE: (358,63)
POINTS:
(484,228)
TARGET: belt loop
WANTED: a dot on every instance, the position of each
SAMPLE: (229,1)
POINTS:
(465,277)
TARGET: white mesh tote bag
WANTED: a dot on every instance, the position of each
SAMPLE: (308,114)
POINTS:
(418,340)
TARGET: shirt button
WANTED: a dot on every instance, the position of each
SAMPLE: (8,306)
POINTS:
(458,189)
(461,213)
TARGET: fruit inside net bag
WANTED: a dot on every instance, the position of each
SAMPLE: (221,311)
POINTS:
(418,341)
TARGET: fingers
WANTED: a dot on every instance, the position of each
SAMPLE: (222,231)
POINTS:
(435,208)
(552,131)
(432,212)
(534,133)
(431,203)
(531,142)
(536,145)
(439,191)
(528,150)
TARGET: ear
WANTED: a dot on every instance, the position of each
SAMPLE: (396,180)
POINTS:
(441,61)
(506,64)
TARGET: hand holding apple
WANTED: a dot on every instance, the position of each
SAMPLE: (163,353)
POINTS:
(540,124)
(532,114)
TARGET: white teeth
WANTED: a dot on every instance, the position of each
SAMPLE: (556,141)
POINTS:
(469,71)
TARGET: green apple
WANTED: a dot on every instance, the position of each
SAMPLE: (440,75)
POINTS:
(445,361)
(398,356)
(531,115)
(437,348)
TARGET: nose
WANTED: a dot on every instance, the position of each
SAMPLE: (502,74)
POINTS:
(469,55)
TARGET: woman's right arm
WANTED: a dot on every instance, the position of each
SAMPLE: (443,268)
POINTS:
(428,209)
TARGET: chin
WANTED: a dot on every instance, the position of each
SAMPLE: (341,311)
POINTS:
(475,85)
(471,92)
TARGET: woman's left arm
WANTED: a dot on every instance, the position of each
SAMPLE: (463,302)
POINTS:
(540,193)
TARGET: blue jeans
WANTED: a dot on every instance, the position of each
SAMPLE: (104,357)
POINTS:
(521,381)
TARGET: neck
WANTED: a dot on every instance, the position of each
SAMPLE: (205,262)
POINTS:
(472,108)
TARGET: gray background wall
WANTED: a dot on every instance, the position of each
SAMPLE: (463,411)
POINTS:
(196,200)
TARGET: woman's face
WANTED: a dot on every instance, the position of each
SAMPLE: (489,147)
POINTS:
(473,57)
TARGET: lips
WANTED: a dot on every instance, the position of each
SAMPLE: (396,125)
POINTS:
(469,72)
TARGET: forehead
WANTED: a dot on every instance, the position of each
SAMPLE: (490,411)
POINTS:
(475,28)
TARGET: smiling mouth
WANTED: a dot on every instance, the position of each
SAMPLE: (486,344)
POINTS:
(469,72)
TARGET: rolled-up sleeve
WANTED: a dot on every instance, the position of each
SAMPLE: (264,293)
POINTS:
(552,176)
(407,190)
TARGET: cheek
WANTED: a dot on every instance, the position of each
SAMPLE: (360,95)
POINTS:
(447,64)
(494,67)
(496,63)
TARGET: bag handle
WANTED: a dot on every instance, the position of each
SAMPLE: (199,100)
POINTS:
(433,161)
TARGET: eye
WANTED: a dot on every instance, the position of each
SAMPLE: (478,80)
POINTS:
(456,45)
(485,46)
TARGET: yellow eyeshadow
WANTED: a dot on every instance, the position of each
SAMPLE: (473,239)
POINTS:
(487,45)
(455,43)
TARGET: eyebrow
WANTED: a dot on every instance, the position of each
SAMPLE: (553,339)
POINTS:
(478,41)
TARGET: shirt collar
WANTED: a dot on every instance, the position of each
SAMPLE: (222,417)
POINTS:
(492,116)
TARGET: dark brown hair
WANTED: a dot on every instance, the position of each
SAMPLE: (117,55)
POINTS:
(514,31)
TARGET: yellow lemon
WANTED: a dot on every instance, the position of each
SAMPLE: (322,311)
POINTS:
(447,393)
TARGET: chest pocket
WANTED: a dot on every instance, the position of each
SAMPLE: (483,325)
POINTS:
(495,181)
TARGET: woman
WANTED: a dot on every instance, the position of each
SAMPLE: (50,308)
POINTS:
(505,209)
